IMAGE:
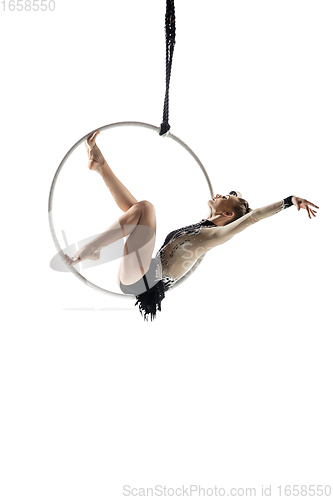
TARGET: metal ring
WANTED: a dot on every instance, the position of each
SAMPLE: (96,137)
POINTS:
(53,185)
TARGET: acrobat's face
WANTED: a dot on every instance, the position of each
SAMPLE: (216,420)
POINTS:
(223,203)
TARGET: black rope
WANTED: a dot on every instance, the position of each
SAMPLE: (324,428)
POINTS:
(170,35)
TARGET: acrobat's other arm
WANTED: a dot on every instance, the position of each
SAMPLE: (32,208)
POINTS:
(224,233)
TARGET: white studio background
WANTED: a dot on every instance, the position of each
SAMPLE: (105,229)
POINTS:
(230,386)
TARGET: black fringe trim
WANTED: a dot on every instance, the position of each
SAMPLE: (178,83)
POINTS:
(149,302)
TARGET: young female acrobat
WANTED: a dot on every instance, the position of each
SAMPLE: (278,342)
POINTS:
(148,278)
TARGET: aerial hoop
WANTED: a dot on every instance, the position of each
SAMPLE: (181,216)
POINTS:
(54,182)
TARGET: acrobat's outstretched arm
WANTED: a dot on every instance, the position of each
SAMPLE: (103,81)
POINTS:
(224,233)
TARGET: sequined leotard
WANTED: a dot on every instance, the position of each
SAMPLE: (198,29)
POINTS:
(159,265)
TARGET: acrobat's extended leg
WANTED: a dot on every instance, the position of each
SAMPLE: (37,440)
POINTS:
(124,199)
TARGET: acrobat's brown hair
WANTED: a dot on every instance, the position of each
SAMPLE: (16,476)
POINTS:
(241,208)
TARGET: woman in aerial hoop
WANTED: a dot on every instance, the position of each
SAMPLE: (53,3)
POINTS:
(148,278)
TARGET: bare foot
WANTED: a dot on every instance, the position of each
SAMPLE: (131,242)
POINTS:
(96,159)
(71,261)
(83,254)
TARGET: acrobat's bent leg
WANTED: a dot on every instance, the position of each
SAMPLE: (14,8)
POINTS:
(139,223)
(139,246)
(124,199)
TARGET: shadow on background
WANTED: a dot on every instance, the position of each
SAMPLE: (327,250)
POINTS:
(113,309)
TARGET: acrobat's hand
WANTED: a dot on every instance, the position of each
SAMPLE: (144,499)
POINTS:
(302,203)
